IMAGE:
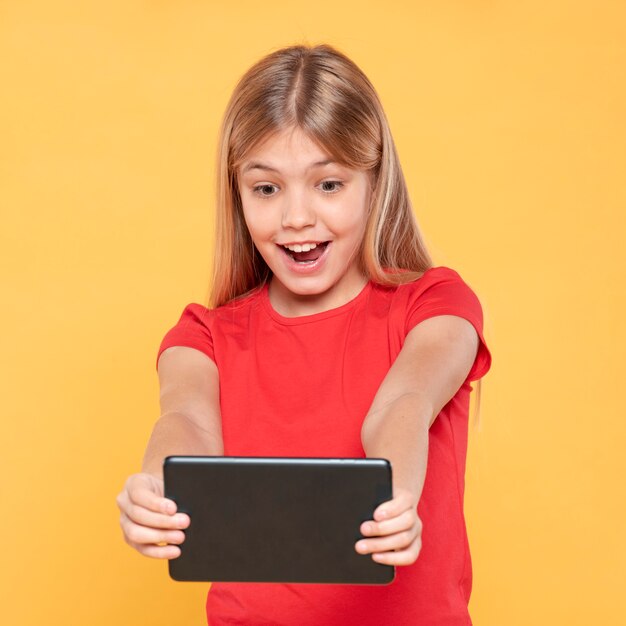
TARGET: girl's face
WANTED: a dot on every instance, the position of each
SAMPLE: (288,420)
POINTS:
(306,215)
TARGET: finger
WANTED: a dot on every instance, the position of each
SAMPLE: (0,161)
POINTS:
(136,534)
(400,557)
(397,541)
(145,517)
(404,521)
(393,507)
(160,552)
(141,492)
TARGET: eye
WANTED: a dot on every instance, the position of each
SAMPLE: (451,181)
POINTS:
(265,191)
(331,186)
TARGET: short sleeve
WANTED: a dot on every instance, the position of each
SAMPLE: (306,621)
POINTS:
(445,293)
(191,330)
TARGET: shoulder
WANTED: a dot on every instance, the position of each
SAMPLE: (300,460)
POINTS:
(432,276)
(442,291)
(438,291)
(198,326)
(196,313)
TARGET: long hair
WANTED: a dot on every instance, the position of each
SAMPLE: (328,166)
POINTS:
(325,94)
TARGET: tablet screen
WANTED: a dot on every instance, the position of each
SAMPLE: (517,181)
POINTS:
(268,519)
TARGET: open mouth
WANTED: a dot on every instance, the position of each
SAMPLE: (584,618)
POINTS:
(305,253)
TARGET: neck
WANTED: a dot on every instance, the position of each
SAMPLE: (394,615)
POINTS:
(290,304)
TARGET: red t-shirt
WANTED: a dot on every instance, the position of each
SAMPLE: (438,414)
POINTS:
(301,386)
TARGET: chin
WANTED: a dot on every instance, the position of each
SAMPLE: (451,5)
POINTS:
(306,290)
(310,286)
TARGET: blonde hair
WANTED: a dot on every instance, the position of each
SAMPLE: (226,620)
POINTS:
(321,91)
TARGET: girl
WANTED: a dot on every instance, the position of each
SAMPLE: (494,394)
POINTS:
(329,333)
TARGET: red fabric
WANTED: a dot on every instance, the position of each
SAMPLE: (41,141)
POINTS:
(302,387)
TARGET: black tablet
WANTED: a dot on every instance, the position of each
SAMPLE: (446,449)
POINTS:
(268,519)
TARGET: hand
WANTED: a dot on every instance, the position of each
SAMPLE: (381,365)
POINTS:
(149,521)
(394,536)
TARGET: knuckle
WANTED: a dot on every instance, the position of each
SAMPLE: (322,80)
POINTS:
(134,487)
(406,537)
(134,534)
(387,544)
(131,511)
(145,550)
(124,521)
(148,552)
(415,549)
(167,537)
(122,500)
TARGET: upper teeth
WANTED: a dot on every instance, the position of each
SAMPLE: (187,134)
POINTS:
(305,247)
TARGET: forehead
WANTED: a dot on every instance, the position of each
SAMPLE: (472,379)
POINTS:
(286,149)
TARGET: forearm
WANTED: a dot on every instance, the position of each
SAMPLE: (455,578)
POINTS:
(175,433)
(399,432)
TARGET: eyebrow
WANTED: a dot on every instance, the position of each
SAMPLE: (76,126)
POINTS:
(254,165)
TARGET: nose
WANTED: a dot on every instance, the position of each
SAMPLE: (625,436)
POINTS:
(297,211)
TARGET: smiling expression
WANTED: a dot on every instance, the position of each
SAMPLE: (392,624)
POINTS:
(306,215)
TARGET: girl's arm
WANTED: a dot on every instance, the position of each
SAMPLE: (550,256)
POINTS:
(435,360)
(190,424)
(190,421)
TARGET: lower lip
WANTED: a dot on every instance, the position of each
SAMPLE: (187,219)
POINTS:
(309,267)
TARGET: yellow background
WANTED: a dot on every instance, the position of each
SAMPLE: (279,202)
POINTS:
(510,122)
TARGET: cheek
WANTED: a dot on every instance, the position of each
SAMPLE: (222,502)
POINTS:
(354,223)
(257,223)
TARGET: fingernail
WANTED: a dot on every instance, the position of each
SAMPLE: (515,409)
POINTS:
(382,513)
(367,528)
(361,546)
(169,507)
(182,520)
